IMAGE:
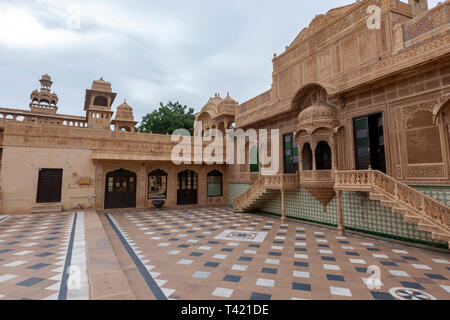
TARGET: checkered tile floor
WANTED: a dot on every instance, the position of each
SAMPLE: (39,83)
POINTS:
(33,251)
(213,253)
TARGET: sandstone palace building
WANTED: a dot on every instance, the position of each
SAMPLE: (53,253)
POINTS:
(364,117)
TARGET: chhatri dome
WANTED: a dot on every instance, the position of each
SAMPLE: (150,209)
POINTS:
(124,118)
(43,101)
(319,114)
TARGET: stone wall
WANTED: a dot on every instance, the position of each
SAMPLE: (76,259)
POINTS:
(20,172)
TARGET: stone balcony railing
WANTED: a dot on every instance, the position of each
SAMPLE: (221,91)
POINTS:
(29,117)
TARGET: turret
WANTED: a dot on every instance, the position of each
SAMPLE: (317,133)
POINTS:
(98,105)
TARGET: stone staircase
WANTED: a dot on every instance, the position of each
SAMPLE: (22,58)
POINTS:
(429,214)
(47,208)
(263,189)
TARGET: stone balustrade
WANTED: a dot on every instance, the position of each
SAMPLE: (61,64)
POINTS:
(316,175)
(399,193)
(32,118)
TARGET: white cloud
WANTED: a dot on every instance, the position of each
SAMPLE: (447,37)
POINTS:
(150,50)
(19,28)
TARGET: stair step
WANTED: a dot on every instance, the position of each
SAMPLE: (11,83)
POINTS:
(387,203)
(428,227)
(415,219)
(377,197)
(400,210)
(441,236)
(47,208)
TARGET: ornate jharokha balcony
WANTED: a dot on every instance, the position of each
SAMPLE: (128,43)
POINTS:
(253,196)
(430,214)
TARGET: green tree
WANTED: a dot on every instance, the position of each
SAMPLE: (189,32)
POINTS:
(167,119)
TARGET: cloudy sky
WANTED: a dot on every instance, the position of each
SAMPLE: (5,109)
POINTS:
(151,51)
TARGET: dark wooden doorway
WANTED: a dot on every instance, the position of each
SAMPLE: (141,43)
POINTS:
(187,188)
(49,186)
(369,143)
(120,189)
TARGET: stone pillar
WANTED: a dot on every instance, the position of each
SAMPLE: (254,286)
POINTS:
(444,143)
(202,187)
(333,153)
(142,182)
(99,185)
(313,151)
(283,206)
(341,228)
(172,191)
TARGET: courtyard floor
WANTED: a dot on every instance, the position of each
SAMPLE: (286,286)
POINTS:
(204,254)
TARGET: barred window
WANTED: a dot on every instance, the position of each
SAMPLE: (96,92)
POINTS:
(215,184)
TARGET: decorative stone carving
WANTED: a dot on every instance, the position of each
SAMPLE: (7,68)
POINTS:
(426,171)
(426,22)
(409,110)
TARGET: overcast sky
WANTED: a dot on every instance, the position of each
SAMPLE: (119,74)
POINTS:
(151,51)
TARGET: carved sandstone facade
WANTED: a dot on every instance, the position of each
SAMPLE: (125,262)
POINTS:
(359,110)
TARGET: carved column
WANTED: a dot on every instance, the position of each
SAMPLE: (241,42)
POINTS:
(313,151)
(283,206)
(444,143)
(333,153)
(341,228)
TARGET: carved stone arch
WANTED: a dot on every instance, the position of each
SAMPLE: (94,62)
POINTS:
(101,101)
(422,135)
(307,157)
(323,155)
(125,128)
(328,130)
(312,93)
(442,109)
(204,116)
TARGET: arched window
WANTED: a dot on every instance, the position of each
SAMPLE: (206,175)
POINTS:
(215,184)
(323,156)
(101,101)
(157,185)
(254,160)
(307,158)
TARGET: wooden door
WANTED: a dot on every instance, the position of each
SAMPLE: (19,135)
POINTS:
(120,189)
(49,186)
(187,188)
